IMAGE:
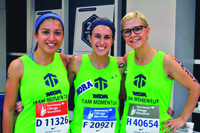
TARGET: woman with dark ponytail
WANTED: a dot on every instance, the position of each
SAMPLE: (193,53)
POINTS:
(41,78)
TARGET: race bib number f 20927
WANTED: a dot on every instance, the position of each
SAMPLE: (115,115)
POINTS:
(101,120)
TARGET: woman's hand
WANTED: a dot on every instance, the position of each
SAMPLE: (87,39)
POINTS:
(174,124)
(19,107)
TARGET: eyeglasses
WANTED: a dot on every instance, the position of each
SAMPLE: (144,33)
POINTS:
(137,30)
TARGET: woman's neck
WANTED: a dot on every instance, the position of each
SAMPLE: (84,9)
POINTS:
(42,58)
(99,62)
(144,55)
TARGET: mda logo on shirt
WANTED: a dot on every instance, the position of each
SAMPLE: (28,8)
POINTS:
(100,83)
(51,80)
(140,80)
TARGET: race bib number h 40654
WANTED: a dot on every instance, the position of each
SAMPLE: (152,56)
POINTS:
(142,119)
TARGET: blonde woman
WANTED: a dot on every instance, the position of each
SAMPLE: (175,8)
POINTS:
(149,79)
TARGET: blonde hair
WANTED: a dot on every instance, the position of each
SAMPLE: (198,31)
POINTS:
(133,15)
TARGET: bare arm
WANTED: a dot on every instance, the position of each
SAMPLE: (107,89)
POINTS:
(122,67)
(125,57)
(73,67)
(15,72)
(123,89)
(175,69)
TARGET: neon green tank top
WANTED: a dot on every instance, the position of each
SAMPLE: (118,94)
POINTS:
(148,95)
(96,98)
(44,93)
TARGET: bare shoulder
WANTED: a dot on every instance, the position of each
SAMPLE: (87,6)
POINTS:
(15,68)
(120,62)
(126,57)
(169,60)
(16,64)
(75,63)
(64,58)
(77,59)
(121,65)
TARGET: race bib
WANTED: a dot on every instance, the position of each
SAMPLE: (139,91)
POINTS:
(143,119)
(101,120)
(52,117)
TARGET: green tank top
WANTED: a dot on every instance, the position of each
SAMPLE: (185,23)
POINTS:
(96,98)
(44,92)
(148,95)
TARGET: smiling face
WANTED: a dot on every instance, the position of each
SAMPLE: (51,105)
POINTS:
(50,35)
(136,40)
(101,39)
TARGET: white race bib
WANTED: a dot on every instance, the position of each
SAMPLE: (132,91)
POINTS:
(101,120)
(52,117)
(143,119)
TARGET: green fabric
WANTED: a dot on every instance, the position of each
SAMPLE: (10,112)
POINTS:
(33,89)
(109,94)
(154,90)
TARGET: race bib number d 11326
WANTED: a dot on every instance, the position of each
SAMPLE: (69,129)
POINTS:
(142,119)
(52,117)
(101,120)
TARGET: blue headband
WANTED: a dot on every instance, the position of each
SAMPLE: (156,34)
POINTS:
(47,15)
(103,22)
